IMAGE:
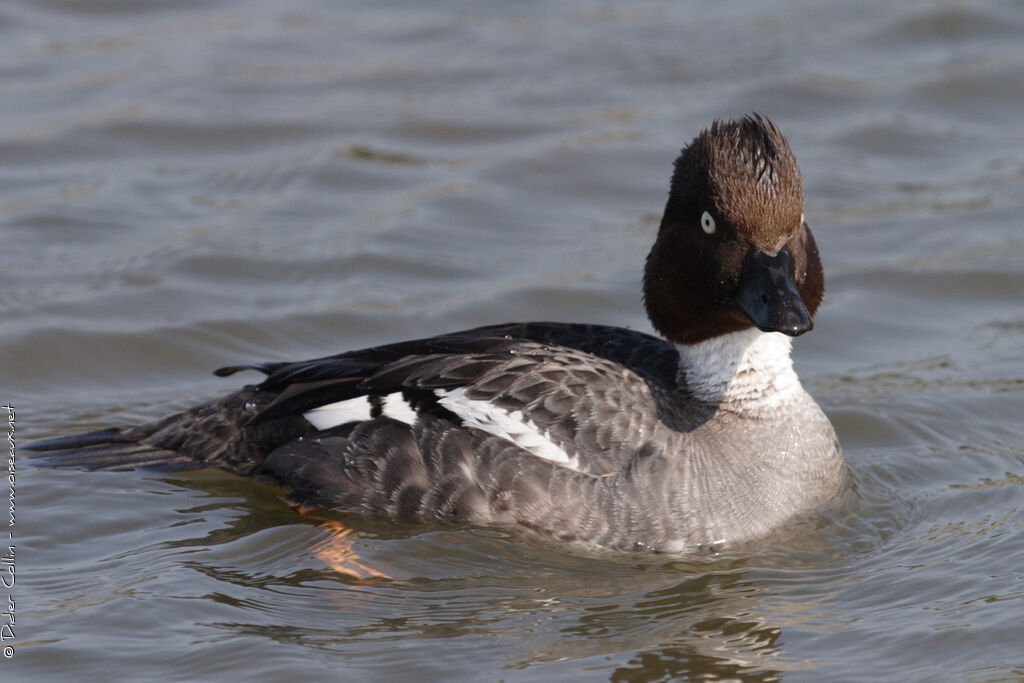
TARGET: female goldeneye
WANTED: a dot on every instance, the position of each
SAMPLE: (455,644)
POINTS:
(586,432)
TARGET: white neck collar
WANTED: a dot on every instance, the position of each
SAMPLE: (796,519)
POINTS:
(745,371)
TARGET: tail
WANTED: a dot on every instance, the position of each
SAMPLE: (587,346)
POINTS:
(114,449)
(216,434)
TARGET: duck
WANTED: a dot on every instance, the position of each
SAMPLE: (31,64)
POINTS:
(697,440)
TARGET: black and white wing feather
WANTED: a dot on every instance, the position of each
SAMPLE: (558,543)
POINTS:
(584,402)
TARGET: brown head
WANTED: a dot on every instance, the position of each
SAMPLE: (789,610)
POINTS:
(733,251)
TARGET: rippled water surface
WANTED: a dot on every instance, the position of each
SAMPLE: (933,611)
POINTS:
(185,185)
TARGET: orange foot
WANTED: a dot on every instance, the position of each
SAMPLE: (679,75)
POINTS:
(336,548)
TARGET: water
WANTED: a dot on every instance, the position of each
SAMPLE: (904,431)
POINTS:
(190,185)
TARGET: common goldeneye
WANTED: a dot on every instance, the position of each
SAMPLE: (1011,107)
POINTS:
(586,432)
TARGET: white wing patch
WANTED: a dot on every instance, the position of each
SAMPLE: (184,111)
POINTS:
(397,408)
(359,409)
(511,425)
(483,415)
(339,413)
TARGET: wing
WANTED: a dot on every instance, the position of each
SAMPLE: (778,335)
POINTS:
(579,396)
(493,424)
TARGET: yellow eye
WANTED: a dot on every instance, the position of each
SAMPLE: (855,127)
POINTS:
(707,222)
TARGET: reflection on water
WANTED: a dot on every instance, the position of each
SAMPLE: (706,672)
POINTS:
(187,186)
(421,588)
